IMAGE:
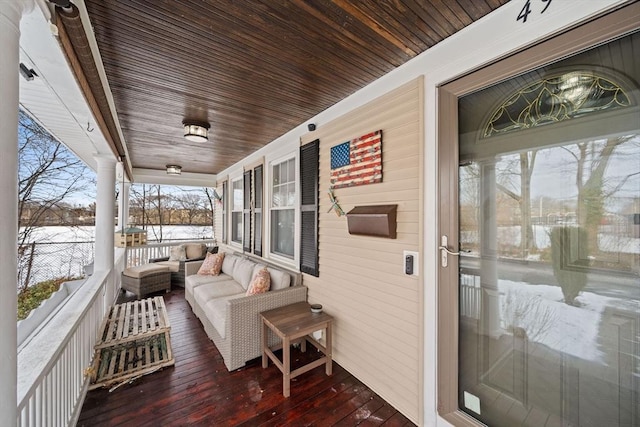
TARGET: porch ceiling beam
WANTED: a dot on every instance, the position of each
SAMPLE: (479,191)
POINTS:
(152,176)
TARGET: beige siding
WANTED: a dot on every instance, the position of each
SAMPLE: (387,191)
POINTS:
(377,309)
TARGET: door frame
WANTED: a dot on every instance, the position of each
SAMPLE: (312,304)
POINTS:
(597,31)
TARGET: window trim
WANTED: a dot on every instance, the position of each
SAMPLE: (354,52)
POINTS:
(267,210)
(224,210)
(232,180)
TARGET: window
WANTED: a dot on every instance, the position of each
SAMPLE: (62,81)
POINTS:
(283,202)
(236,211)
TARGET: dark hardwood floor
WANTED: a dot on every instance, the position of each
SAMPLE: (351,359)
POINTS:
(199,391)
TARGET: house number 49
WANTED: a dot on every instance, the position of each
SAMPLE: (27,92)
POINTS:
(526,10)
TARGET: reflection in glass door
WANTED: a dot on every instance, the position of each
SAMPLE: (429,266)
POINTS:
(549,208)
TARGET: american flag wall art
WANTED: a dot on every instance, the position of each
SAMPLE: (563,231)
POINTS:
(357,162)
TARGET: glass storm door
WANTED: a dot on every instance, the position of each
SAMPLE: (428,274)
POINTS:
(549,239)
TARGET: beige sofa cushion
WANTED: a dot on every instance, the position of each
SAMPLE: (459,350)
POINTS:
(228,263)
(195,280)
(207,292)
(195,250)
(279,279)
(216,312)
(173,265)
(144,270)
(243,272)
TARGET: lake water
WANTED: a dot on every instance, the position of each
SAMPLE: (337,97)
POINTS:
(61,251)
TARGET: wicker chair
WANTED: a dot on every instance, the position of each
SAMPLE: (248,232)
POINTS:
(177,268)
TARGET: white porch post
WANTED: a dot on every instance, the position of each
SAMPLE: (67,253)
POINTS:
(490,322)
(10,14)
(123,201)
(105,202)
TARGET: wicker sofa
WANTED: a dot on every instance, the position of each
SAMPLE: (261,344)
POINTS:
(180,256)
(230,318)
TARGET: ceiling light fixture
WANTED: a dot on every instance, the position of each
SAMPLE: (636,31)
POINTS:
(174,170)
(196,132)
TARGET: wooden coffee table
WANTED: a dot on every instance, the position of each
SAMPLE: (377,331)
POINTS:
(292,323)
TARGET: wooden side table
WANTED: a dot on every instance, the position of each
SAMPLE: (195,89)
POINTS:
(290,323)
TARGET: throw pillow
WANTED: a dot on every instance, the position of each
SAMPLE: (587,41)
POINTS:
(211,265)
(260,283)
(177,253)
(217,264)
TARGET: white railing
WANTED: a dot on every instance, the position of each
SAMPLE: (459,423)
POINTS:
(139,255)
(51,381)
(470,294)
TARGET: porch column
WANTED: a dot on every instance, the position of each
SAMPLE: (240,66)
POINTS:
(490,321)
(123,200)
(10,14)
(105,202)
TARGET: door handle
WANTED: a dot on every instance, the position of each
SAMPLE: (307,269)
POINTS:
(445,251)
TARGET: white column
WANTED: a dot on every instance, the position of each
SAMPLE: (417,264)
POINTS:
(490,322)
(10,14)
(125,209)
(123,199)
(105,203)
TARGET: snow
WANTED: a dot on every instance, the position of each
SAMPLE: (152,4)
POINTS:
(550,321)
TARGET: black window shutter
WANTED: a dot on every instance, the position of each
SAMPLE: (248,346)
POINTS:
(246,212)
(309,175)
(225,224)
(257,209)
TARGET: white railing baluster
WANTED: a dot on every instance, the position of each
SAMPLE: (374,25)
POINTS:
(51,390)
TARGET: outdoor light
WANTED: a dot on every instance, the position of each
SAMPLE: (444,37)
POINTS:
(27,73)
(174,170)
(196,132)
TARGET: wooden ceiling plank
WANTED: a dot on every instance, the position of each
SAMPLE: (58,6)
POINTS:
(253,69)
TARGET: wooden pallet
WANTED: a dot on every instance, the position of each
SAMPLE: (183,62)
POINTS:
(134,341)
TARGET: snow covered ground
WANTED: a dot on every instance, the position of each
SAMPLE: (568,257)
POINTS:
(541,311)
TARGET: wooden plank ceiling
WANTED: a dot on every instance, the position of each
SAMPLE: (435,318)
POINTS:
(253,69)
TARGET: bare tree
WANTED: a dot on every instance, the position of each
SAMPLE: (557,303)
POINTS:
(211,203)
(190,206)
(148,208)
(522,195)
(592,158)
(48,173)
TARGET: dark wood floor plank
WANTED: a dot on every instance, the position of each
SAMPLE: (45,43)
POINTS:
(397,420)
(363,413)
(380,416)
(199,391)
